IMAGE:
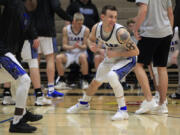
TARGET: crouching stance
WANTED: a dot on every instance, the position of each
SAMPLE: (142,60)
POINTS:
(120,59)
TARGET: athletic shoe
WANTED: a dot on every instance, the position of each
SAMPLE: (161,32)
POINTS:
(7,100)
(31,117)
(42,101)
(161,109)
(62,86)
(147,106)
(21,127)
(120,115)
(174,96)
(78,107)
(54,94)
(156,97)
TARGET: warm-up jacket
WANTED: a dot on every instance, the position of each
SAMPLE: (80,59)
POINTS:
(44,17)
(14,25)
(89,11)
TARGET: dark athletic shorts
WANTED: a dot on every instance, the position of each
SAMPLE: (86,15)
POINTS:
(154,49)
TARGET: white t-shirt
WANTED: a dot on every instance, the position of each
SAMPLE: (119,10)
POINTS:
(156,23)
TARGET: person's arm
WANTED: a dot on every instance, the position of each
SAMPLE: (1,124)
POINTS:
(92,40)
(31,32)
(125,39)
(56,6)
(66,46)
(171,16)
(84,44)
(142,11)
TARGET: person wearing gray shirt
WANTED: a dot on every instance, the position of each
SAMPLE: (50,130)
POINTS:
(153,30)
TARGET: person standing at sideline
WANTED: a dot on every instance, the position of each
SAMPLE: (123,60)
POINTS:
(44,22)
(155,23)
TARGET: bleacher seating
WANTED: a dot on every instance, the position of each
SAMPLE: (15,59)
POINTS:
(125,10)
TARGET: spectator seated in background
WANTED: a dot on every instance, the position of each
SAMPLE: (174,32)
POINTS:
(91,17)
(75,43)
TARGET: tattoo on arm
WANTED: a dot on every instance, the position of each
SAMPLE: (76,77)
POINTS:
(125,39)
(124,36)
(130,45)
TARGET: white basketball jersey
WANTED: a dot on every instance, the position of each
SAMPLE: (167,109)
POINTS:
(111,42)
(174,42)
(73,38)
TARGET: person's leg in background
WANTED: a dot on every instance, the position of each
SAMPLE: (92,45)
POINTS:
(36,82)
(84,69)
(30,55)
(160,61)
(7,96)
(61,61)
(146,47)
(48,49)
(176,95)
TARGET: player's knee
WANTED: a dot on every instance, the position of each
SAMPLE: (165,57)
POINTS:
(25,79)
(59,58)
(33,63)
(97,58)
(112,75)
(83,57)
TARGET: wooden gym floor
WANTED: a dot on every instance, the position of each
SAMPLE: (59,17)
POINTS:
(97,120)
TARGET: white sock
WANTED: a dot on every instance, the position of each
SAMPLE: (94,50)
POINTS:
(51,87)
(17,118)
(121,102)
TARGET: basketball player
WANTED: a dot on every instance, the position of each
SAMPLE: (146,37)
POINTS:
(75,43)
(14,22)
(153,29)
(120,58)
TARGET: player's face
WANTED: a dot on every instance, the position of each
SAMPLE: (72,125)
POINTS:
(110,18)
(78,24)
